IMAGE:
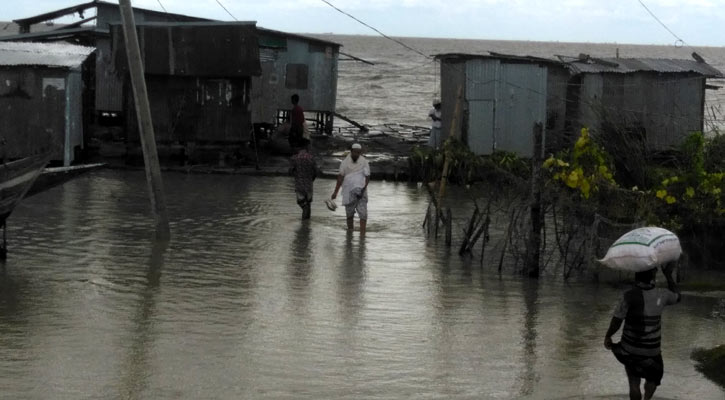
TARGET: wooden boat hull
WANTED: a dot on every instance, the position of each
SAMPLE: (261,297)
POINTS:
(52,177)
(16,178)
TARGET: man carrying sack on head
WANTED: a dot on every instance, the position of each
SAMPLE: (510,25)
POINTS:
(353,177)
(641,311)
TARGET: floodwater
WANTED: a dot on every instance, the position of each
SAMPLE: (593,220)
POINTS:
(248,302)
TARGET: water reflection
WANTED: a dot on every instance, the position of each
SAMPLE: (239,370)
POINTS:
(529,335)
(136,366)
(10,304)
(352,278)
(300,266)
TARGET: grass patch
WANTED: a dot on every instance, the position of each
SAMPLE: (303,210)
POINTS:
(711,362)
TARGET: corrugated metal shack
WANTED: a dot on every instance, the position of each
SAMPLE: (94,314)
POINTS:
(503,97)
(290,63)
(198,76)
(295,64)
(108,85)
(41,98)
(662,99)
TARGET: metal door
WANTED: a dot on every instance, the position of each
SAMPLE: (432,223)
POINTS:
(480,126)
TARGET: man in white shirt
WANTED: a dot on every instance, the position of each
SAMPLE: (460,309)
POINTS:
(436,136)
(354,177)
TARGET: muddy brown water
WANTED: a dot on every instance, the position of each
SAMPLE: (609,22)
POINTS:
(248,302)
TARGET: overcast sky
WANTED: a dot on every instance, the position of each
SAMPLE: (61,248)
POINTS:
(697,22)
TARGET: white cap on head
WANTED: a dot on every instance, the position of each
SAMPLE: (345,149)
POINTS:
(356,146)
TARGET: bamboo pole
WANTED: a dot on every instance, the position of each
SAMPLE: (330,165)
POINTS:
(146,128)
(468,233)
(451,133)
(449,226)
(487,223)
(533,251)
(507,239)
(437,220)
(427,215)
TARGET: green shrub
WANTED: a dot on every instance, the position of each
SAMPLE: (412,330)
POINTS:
(711,362)
(715,154)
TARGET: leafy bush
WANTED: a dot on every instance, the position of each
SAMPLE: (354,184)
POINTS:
(584,169)
(715,154)
(690,195)
(711,363)
(464,166)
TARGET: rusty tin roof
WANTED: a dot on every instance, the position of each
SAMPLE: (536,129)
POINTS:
(60,55)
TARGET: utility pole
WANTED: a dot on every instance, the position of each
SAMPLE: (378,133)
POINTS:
(146,128)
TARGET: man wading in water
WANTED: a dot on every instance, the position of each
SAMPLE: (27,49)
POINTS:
(304,169)
(354,177)
(639,350)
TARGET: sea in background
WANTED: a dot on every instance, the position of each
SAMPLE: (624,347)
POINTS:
(402,84)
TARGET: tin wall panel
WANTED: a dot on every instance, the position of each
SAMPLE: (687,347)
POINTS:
(666,110)
(556,109)
(74,116)
(481,91)
(521,104)
(196,109)
(590,103)
(264,93)
(267,54)
(481,79)
(453,76)
(109,83)
(679,113)
(270,93)
(33,111)
(211,51)
(480,121)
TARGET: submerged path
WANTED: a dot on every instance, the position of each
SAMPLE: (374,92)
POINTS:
(247,301)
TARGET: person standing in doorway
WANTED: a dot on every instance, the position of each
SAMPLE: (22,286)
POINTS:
(297,121)
(639,349)
(353,178)
(436,136)
(304,170)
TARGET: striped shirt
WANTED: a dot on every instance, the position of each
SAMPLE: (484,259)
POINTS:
(641,309)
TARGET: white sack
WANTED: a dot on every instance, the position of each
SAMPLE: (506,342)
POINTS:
(643,249)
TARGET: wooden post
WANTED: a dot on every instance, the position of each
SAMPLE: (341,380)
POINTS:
(438,220)
(469,232)
(507,238)
(534,247)
(427,215)
(146,128)
(487,223)
(4,249)
(449,226)
(451,132)
(428,220)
